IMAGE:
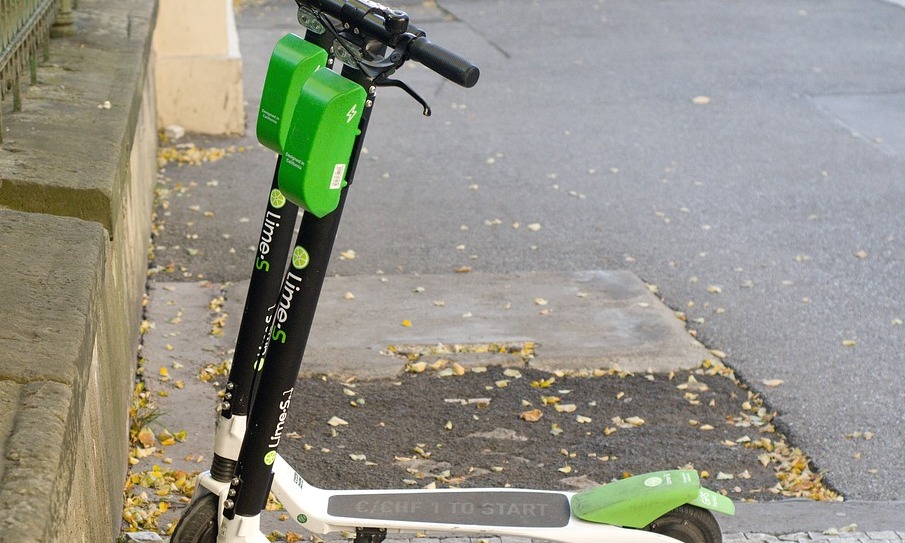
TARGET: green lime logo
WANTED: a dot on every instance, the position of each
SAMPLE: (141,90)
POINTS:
(300,258)
(277,199)
(270,457)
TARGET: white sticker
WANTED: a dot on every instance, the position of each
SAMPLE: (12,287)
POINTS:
(337,181)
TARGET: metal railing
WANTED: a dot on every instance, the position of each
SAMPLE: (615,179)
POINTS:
(24,33)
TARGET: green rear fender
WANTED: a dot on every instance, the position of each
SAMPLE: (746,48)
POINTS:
(637,501)
(708,499)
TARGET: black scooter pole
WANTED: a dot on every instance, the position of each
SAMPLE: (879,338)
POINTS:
(293,316)
(254,330)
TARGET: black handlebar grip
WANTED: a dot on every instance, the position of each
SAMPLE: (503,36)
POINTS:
(444,62)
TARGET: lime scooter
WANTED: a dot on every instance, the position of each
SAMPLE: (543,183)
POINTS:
(315,117)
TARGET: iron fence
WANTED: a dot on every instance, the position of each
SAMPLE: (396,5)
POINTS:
(24,34)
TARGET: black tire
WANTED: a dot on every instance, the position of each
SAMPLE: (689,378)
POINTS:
(198,523)
(689,524)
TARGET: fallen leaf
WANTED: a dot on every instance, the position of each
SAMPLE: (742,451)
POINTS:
(336,421)
(772,382)
(146,437)
(533,415)
(700,100)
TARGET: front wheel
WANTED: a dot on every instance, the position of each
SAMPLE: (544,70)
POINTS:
(689,524)
(198,523)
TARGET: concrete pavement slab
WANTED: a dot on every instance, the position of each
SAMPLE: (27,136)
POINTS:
(577,320)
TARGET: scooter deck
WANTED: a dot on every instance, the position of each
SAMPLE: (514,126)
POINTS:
(523,509)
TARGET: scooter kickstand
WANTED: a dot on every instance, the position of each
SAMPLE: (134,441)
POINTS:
(370,535)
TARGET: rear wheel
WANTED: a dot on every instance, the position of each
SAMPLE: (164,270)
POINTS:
(689,524)
(198,523)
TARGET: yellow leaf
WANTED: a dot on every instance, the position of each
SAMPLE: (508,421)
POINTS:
(565,469)
(417,367)
(166,438)
(407,323)
(146,437)
(532,415)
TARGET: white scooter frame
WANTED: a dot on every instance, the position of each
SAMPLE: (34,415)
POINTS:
(535,514)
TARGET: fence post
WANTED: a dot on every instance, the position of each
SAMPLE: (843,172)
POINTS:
(64,24)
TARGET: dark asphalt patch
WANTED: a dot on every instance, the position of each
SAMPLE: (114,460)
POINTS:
(471,431)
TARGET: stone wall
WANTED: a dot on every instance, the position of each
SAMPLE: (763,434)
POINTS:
(77,169)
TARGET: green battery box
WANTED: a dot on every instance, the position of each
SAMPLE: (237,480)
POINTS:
(291,64)
(320,140)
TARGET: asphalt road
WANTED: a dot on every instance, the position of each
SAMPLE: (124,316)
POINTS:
(746,157)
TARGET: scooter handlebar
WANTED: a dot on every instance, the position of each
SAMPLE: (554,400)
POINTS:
(444,62)
(369,18)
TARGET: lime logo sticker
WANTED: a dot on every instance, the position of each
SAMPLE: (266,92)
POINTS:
(653,481)
(270,457)
(300,258)
(277,199)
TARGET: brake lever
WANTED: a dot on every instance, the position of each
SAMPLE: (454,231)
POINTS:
(408,90)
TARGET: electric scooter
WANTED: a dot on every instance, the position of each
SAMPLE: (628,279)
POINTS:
(314,115)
